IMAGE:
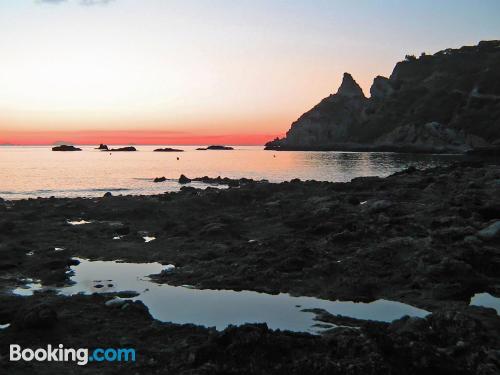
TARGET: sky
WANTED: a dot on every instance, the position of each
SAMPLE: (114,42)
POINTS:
(204,72)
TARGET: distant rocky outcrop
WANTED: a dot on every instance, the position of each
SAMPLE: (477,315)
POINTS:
(127,149)
(215,147)
(184,180)
(449,101)
(102,147)
(168,149)
(66,148)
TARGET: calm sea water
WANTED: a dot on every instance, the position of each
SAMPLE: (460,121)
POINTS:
(30,172)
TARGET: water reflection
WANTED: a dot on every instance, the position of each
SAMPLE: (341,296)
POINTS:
(486,300)
(36,171)
(219,308)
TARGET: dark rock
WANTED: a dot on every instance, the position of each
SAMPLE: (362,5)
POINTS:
(41,316)
(353,200)
(184,180)
(216,147)
(293,264)
(122,231)
(485,151)
(490,211)
(379,206)
(160,179)
(7,227)
(125,149)
(107,194)
(168,149)
(102,147)
(214,229)
(66,148)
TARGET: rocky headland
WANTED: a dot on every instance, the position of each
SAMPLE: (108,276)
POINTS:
(446,102)
(429,238)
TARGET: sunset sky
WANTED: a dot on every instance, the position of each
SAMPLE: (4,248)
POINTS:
(204,72)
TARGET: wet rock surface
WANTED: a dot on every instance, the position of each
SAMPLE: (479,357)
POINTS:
(423,237)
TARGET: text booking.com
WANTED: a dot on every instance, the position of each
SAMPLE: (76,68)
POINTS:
(80,356)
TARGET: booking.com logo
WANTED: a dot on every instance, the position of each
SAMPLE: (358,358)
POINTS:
(80,356)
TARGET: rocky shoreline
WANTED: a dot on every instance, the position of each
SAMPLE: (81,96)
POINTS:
(429,238)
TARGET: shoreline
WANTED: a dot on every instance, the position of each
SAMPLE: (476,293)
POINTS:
(415,237)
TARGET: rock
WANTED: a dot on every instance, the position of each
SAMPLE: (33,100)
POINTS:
(491,232)
(485,151)
(216,147)
(168,149)
(381,88)
(160,179)
(169,268)
(213,229)
(116,302)
(379,206)
(123,231)
(490,211)
(184,180)
(125,149)
(316,130)
(102,147)
(127,294)
(66,148)
(293,264)
(350,87)
(7,227)
(40,316)
(431,136)
(353,200)
(107,194)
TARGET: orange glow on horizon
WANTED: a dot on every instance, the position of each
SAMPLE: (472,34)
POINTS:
(130,138)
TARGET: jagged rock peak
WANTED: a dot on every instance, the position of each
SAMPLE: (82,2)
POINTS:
(349,87)
(381,88)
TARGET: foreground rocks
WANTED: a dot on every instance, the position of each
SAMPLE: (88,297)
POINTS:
(424,237)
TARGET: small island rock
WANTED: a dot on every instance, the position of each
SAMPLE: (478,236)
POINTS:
(66,148)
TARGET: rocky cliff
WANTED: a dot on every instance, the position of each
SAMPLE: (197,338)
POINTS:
(449,101)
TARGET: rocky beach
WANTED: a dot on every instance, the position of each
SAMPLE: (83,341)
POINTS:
(427,238)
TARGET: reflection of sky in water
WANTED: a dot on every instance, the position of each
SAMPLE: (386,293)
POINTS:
(486,300)
(37,171)
(219,308)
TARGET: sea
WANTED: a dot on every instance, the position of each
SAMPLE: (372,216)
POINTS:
(37,171)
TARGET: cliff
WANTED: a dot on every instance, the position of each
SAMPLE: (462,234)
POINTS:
(449,101)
